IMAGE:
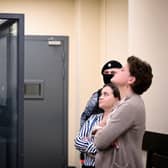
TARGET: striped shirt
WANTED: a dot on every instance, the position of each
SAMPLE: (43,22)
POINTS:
(84,139)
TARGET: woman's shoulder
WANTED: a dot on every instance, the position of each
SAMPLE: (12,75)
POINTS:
(131,104)
(133,100)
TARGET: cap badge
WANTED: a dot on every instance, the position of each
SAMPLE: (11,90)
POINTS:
(109,65)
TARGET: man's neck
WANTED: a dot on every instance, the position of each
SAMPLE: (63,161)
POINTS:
(125,91)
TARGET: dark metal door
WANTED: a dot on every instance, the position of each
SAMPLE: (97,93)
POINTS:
(45,104)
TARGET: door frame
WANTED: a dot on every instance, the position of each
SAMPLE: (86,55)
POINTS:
(19,18)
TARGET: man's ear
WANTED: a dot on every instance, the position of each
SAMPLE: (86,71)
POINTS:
(132,79)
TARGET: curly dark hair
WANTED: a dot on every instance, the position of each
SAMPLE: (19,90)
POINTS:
(142,71)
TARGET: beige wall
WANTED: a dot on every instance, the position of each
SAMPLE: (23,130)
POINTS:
(148,39)
(116,29)
(97,30)
(87,39)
